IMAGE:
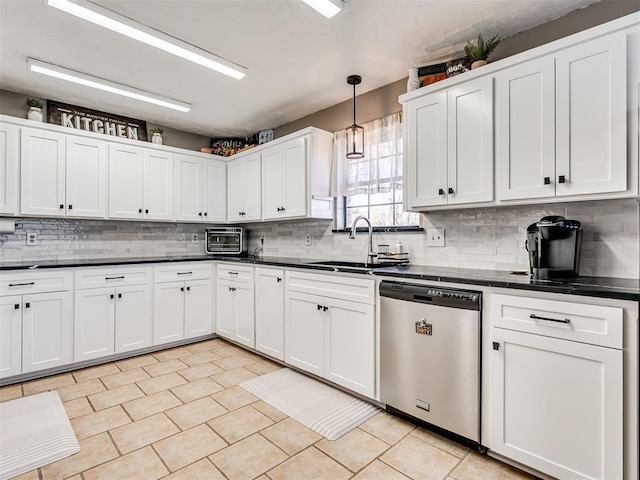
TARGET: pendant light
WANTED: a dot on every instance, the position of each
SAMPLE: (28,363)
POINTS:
(355,133)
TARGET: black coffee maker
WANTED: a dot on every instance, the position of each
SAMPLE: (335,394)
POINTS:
(554,244)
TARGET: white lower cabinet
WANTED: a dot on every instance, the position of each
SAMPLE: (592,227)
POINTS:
(269,290)
(235,301)
(332,335)
(182,308)
(10,335)
(112,319)
(557,404)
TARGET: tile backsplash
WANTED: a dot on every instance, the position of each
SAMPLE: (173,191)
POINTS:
(488,238)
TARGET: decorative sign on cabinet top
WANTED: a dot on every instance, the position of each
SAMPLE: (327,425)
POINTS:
(81,118)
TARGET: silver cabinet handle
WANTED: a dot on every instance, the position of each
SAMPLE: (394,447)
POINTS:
(557,320)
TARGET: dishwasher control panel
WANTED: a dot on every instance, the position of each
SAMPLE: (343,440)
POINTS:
(455,298)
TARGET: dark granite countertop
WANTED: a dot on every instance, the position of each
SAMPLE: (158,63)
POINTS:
(605,287)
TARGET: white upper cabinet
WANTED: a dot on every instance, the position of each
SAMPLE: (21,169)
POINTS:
(244,189)
(525,130)
(561,129)
(9,165)
(42,176)
(449,146)
(200,189)
(284,180)
(591,109)
(140,183)
(86,177)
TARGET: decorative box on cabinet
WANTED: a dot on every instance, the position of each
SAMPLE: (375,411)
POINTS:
(330,328)
(36,321)
(183,302)
(556,386)
(235,314)
(449,146)
(113,311)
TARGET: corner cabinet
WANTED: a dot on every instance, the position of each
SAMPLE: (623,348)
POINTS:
(244,189)
(295,176)
(200,189)
(449,146)
(561,130)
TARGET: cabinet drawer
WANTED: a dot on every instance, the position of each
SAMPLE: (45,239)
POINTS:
(35,282)
(331,285)
(182,271)
(112,276)
(239,273)
(586,323)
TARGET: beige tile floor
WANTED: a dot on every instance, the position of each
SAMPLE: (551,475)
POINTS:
(180,414)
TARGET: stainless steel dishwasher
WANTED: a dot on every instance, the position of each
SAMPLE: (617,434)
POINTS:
(430,355)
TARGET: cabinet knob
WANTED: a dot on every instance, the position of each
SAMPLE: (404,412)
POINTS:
(547,180)
(70,207)
(182,289)
(278,279)
(562,179)
(112,296)
(199,214)
(61,207)
(283,209)
(188,289)
(139,210)
(16,306)
(451,191)
(278,209)
(496,345)
(119,295)
(319,307)
(324,309)
(27,305)
(440,191)
(146,210)
(205,214)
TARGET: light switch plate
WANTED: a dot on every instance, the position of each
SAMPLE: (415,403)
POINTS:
(435,237)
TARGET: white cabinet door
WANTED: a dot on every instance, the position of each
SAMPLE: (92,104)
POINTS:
(253,188)
(244,314)
(86,177)
(188,188)
(244,189)
(126,180)
(158,185)
(94,324)
(9,166)
(269,302)
(351,346)
(47,330)
(42,177)
(198,318)
(134,317)
(470,142)
(525,130)
(557,405)
(304,330)
(235,190)
(295,178)
(10,335)
(272,183)
(591,106)
(225,310)
(214,191)
(168,312)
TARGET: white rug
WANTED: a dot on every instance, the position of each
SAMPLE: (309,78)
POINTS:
(34,431)
(324,409)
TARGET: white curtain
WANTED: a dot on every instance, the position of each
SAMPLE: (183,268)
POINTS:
(381,168)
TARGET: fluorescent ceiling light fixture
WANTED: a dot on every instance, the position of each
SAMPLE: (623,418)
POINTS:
(328,8)
(132,29)
(104,85)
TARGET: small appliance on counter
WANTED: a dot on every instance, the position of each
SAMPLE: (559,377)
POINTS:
(225,241)
(553,244)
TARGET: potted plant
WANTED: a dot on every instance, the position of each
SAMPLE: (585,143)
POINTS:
(479,51)
(35,109)
(156,135)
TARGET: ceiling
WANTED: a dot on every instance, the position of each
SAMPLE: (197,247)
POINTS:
(297,60)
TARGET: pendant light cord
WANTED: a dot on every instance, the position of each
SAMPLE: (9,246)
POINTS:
(354,103)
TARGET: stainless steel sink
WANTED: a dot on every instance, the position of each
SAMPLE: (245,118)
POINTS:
(357,265)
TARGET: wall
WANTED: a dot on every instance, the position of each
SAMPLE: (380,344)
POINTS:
(14,105)
(384,100)
(487,238)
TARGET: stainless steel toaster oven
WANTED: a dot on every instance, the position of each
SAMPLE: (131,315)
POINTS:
(225,240)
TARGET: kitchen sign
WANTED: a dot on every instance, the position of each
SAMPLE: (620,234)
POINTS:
(81,118)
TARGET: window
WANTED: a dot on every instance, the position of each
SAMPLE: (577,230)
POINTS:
(371,186)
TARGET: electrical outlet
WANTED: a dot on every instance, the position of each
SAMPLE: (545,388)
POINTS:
(435,237)
(194,238)
(308,240)
(32,238)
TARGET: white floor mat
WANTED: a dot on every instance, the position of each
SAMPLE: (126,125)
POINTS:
(324,409)
(34,431)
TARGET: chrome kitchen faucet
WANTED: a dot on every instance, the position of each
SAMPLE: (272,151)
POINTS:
(352,235)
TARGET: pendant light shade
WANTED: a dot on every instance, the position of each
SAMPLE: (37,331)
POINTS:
(355,133)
